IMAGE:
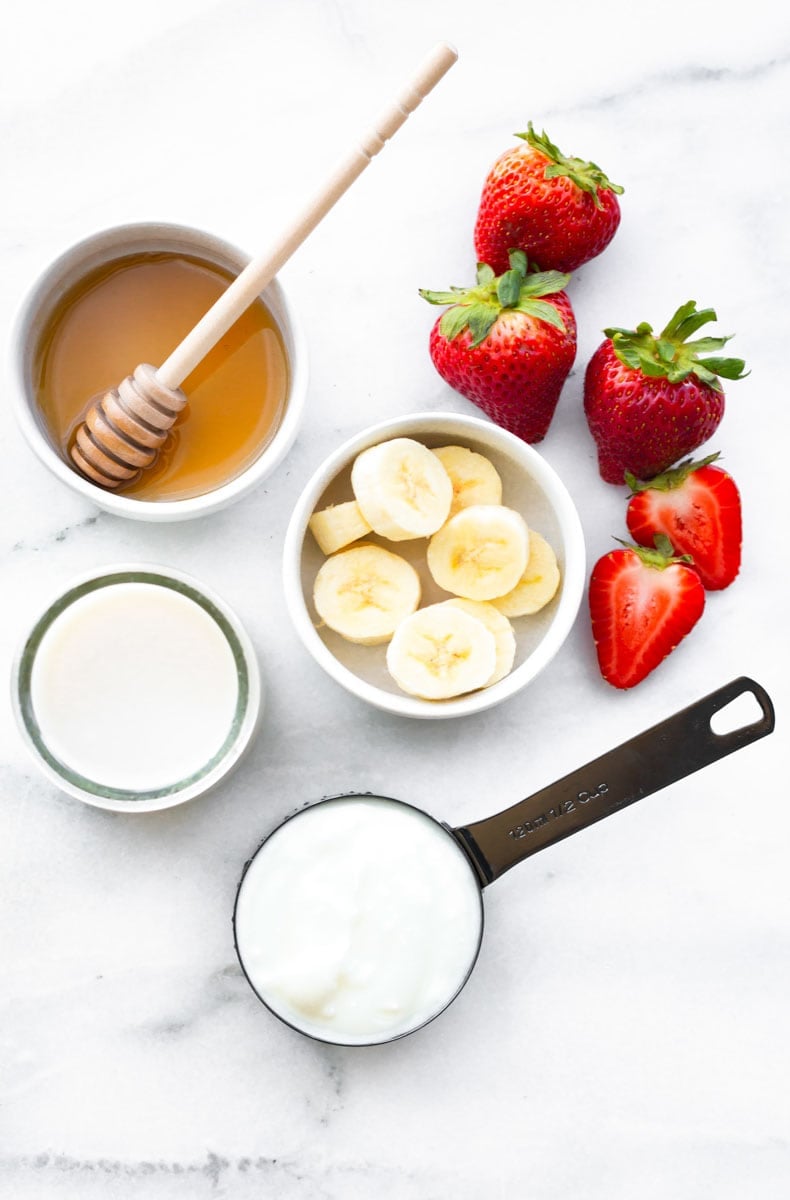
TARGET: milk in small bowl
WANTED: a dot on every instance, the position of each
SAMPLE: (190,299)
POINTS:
(137,689)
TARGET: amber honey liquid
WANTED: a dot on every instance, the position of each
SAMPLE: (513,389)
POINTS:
(137,309)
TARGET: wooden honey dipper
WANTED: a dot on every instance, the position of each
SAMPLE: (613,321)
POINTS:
(125,428)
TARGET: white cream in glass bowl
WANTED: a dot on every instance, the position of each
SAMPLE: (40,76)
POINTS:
(136,689)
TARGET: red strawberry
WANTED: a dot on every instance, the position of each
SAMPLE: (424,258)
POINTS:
(507,344)
(642,603)
(698,507)
(560,211)
(650,400)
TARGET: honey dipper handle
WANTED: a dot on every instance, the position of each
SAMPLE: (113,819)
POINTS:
(261,270)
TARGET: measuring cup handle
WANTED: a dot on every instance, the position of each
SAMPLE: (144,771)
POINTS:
(652,760)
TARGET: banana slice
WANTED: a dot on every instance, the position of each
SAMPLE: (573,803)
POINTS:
(364,593)
(474,478)
(338,526)
(402,489)
(480,553)
(441,651)
(537,585)
(504,636)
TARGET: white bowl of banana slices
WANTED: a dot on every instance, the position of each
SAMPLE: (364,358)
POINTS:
(434,565)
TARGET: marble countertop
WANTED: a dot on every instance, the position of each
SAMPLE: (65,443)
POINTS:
(625,1035)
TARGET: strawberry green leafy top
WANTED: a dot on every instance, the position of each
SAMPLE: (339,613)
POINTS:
(518,290)
(675,477)
(661,557)
(586,175)
(670,356)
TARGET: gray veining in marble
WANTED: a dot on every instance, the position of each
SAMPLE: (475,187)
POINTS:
(625,1035)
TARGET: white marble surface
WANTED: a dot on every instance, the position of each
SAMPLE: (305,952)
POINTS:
(625,1036)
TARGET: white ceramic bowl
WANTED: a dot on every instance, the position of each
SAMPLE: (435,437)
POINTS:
(530,486)
(72,266)
(244,721)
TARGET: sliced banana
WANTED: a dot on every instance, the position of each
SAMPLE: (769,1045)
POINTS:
(402,489)
(441,651)
(363,593)
(504,636)
(474,478)
(338,526)
(537,585)
(480,553)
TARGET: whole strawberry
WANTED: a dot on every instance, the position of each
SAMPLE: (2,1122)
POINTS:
(653,399)
(507,344)
(560,211)
(698,507)
(642,603)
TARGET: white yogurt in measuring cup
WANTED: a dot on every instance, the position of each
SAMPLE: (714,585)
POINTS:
(134,686)
(358,920)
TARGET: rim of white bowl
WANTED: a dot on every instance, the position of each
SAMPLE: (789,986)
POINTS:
(251,689)
(569,601)
(121,238)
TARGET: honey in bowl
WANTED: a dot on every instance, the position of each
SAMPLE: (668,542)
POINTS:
(135,309)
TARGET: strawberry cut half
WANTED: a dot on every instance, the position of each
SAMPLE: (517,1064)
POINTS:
(642,604)
(698,507)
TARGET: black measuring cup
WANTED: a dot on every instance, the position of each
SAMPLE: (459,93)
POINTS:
(662,755)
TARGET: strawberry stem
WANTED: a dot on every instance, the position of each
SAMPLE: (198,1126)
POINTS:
(670,355)
(667,481)
(518,289)
(586,175)
(661,557)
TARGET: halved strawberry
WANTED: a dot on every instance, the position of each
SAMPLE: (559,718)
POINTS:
(698,507)
(642,603)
